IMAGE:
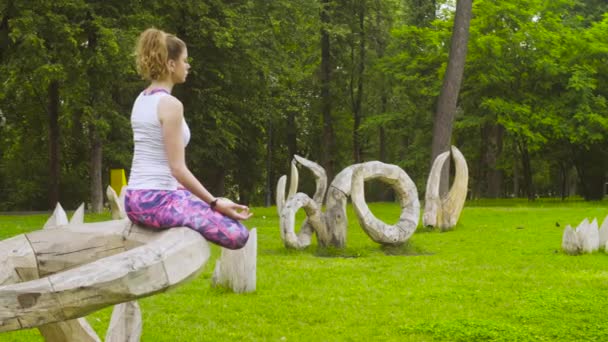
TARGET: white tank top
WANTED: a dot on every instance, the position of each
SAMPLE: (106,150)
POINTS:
(150,167)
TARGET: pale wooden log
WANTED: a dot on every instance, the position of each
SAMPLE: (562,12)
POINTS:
(604,233)
(126,323)
(453,203)
(140,272)
(78,216)
(320,177)
(432,199)
(571,243)
(306,230)
(18,260)
(58,218)
(407,194)
(236,269)
(73,245)
(74,330)
(293,181)
(280,194)
(445,211)
(335,214)
(589,236)
(287,221)
(116,206)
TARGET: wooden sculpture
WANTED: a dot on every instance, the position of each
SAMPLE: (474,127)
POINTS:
(52,277)
(586,238)
(444,211)
(330,227)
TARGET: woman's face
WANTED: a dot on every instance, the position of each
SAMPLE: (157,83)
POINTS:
(180,68)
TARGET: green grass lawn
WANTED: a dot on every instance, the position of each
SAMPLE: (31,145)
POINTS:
(498,276)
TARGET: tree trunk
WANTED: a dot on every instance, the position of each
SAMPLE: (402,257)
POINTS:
(515,180)
(95,172)
(527,170)
(292,135)
(591,166)
(492,139)
(358,98)
(448,97)
(269,174)
(95,138)
(563,172)
(328,140)
(54,152)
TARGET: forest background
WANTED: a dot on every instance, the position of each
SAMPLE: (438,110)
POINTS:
(336,81)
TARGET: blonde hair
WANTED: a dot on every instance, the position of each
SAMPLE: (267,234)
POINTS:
(154,49)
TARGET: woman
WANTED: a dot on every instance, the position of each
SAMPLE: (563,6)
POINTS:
(162,192)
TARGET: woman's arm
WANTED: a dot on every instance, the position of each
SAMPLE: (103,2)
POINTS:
(171,116)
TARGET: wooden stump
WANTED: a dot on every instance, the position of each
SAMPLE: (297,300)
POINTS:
(236,269)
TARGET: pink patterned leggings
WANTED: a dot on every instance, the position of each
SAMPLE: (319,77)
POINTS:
(177,208)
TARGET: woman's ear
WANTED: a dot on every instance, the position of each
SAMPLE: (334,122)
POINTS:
(171,65)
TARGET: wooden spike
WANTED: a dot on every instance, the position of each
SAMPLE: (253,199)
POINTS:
(280,194)
(293,181)
(453,202)
(78,216)
(432,199)
(58,218)
(116,206)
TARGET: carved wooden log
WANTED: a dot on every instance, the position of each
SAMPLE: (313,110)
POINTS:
(125,324)
(321,186)
(74,330)
(236,269)
(280,194)
(432,199)
(444,212)
(18,260)
(604,233)
(406,192)
(142,271)
(287,221)
(320,177)
(293,181)
(335,214)
(571,243)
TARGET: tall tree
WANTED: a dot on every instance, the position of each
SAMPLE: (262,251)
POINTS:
(328,144)
(448,97)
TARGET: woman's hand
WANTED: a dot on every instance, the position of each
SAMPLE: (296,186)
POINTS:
(232,210)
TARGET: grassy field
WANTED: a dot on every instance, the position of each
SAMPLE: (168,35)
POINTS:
(498,276)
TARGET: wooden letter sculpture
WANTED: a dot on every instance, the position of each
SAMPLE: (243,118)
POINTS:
(330,226)
(52,277)
(443,212)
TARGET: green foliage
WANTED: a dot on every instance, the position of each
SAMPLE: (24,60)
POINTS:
(535,69)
